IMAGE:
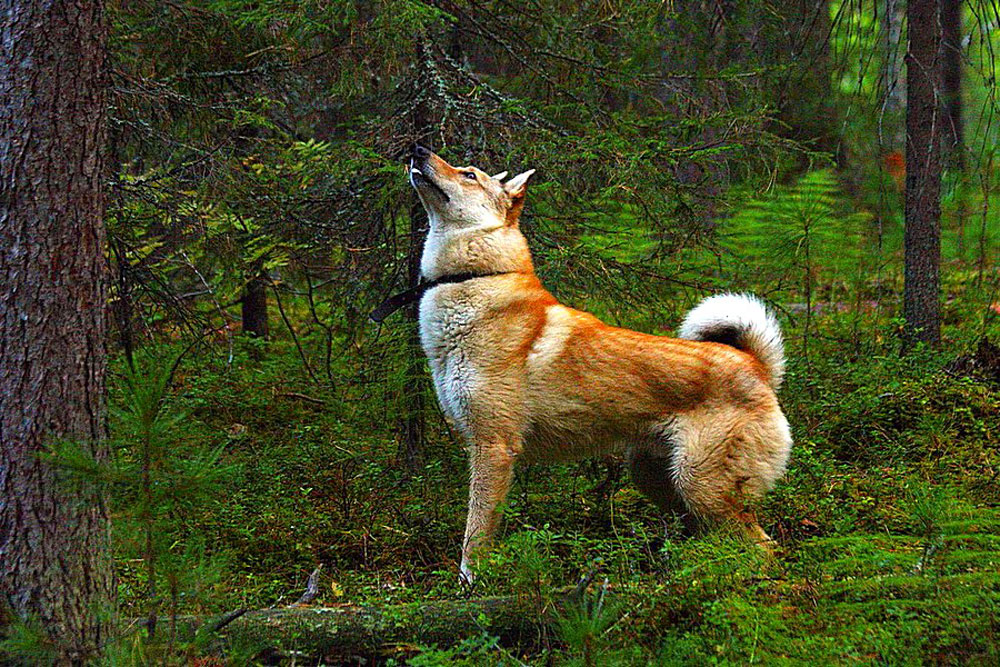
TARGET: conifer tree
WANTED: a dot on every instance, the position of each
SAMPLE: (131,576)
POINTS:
(55,571)
(922,281)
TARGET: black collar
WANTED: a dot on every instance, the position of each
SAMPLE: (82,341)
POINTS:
(397,301)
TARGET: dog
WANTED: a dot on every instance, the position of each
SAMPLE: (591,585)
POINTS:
(524,378)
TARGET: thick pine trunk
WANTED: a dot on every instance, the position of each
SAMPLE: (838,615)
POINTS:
(922,283)
(54,562)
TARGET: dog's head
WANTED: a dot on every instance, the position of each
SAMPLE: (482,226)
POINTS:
(465,197)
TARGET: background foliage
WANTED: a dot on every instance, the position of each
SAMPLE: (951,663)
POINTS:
(681,148)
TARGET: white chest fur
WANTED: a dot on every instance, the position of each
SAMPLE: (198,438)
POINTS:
(448,316)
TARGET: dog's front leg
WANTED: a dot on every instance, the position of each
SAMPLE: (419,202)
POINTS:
(491,473)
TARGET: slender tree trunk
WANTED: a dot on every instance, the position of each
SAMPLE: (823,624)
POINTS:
(121,305)
(805,97)
(412,424)
(254,306)
(954,136)
(891,128)
(951,80)
(54,562)
(253,301)
(922,283)
(893,84)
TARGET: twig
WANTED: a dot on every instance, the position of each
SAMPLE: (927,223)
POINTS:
(218,306)
(227,618)
(308,399)
(291,330)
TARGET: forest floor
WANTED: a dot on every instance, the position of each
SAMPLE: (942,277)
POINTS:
(887,523)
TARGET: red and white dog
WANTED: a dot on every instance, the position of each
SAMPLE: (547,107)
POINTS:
(525,378)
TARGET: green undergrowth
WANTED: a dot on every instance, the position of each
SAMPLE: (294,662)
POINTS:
(887,523)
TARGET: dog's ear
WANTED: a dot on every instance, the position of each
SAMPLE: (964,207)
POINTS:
(516,187)
(499,177)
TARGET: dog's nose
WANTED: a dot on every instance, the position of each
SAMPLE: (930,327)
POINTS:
(420,152)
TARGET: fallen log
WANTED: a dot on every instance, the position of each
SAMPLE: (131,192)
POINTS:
(346,632)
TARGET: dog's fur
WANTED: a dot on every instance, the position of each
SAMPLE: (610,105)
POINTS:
(524,378)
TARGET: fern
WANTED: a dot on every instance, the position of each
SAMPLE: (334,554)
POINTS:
(951,554)
(785,237)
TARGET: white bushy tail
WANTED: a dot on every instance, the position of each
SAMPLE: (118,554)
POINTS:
(744,322)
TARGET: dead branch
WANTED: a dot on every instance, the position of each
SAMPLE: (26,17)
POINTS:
(312,588)
(302,397)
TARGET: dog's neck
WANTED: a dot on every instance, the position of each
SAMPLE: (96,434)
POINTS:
(476,251)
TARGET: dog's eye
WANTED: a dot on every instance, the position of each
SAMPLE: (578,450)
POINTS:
(471,175)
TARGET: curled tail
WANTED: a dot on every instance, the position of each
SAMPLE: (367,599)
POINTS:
(741,321)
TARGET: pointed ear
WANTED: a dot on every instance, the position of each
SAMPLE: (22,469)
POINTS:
(516,186)
(499,177)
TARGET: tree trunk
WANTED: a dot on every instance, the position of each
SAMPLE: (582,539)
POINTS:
(254,306)
(921,290)
(951,83)
(951,93)
(54,560)
(893,85)
(412,423)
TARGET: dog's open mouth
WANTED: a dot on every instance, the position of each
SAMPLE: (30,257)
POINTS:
(418,178)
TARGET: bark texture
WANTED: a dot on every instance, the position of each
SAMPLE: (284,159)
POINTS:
(54,565)
(922,282)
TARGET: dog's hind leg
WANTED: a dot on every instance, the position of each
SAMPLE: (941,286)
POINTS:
(491,473)
(651,473)
(726,461)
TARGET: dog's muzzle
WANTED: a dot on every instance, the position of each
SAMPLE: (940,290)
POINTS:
(419,178)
